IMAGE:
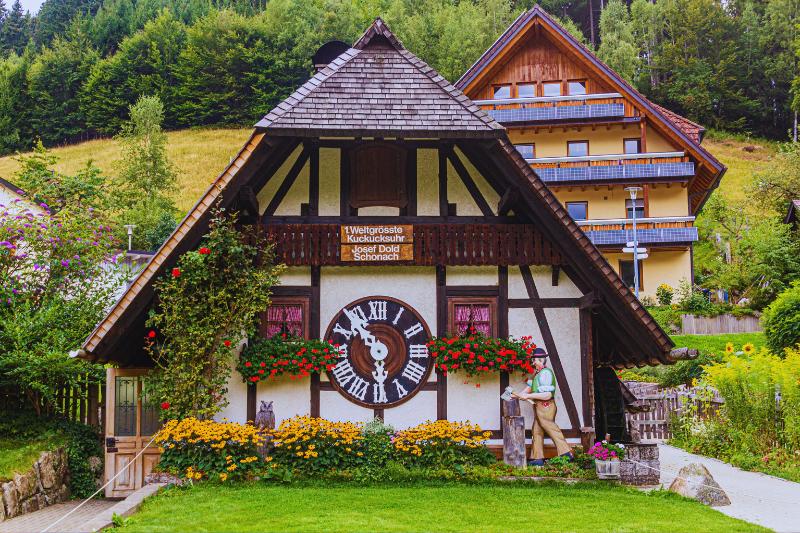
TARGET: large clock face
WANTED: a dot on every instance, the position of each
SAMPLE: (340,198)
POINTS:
(383,352)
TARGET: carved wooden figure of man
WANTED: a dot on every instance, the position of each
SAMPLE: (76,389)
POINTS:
(541,388)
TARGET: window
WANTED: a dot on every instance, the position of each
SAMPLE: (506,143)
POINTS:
(526,90)
(133,414)
(285,315)
(577,148)
(633,146)
(577,87)
(378,175)
(639,206)
(477,313)
(502,91)
(526,150)
(627,274)
(578,210)
(551,88)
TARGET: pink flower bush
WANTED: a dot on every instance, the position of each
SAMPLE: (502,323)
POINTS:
(606,451)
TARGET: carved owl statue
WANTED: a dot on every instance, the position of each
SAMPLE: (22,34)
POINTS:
(265,418)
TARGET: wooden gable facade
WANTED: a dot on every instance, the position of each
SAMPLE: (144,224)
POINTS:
(378,139)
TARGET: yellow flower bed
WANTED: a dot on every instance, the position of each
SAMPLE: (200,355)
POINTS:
(206,449)
(310,444)
(443,443)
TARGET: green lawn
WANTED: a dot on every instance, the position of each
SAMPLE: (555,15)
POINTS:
(590,507)
(716,343)
(18,455)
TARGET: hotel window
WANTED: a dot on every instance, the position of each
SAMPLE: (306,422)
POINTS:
(551,88)
(526,90)
(501,92)
(528,151)
(626,273)
(285,315)
(578,210)
(577,87)
(467,314)
(637,204)
(577,148)
(633,146)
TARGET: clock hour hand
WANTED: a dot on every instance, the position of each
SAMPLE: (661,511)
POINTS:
(377,349)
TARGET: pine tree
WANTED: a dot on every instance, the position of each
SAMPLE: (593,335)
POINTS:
(617,45)
(14,36)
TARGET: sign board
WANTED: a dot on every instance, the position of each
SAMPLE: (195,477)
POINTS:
(629,250)
(362,243)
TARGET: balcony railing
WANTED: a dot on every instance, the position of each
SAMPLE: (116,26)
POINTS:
(555,108)
(649,230)
(613,167)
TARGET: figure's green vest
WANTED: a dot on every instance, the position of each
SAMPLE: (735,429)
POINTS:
(544,381)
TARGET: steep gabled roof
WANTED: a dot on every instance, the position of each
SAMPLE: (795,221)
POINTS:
(684,131)
(263,155)
(378,88)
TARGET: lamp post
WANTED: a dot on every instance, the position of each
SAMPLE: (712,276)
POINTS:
(130,228)
(633,192)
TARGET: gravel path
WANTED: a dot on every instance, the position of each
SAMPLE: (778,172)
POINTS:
(758,498)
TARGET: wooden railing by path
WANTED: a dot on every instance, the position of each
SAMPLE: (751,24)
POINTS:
(702,325)
(83,402)
(434,244)
(663,404)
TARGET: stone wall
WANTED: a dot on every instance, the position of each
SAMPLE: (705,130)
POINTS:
(641,465)
(46,483)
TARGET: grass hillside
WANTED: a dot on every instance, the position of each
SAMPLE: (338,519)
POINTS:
(201,154)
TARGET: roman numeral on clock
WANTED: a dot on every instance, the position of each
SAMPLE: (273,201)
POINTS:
(379,393)
(418,351)
(413,371)
(413,330)
(401,391)
(377,310)
(397,316)
(358,388)
(343,372)
(346,332)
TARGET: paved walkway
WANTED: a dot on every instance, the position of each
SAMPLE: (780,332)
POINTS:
(758,498)
(38,520)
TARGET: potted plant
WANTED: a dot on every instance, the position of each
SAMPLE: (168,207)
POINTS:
(284,354)
(607,457)
(476,354)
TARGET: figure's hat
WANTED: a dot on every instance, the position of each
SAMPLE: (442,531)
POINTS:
(538,353)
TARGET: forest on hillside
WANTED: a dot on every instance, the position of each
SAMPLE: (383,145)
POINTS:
(71,71)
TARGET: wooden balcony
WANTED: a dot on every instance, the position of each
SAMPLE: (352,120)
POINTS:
(609,168)
(433,244)
(652,230)
(555,108)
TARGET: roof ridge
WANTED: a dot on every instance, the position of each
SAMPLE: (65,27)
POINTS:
(378,27)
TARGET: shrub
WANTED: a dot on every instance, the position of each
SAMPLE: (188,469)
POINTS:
(311,445)
(664,294)
(476,354)
(668,317)
(443,444)
(782,320)
(205,449)
(282,354)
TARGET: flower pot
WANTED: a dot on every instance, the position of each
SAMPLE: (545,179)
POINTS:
(607,469)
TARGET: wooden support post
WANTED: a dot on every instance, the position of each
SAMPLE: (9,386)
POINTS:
(251,402)
(93,404)
(513,434)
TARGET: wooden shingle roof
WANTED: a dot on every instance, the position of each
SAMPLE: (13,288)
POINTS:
(377,88)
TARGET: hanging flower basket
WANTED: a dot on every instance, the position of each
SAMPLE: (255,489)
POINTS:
(286,355)
(478,354)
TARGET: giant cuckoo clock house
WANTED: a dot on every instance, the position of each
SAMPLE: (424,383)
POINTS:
(403,212)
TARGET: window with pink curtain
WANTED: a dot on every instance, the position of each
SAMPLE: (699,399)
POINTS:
(284,318)
(477,316)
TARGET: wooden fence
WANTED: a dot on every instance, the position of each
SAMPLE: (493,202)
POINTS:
(663,404)
(84,402)
(702,325)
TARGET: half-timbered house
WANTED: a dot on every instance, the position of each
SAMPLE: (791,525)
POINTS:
(402,211)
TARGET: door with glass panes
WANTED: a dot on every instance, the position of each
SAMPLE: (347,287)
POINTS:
(130,425)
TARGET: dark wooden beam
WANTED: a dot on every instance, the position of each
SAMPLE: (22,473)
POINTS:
(472,290)
(550,346)
(419,219)
(441,330)
(469,183)
(443,208)
(507,201)
(315,332)
(247,205)
(587,367)
(544,303)
(288,181)
(313,179)
(556,274)
(411,183)
(502,321)
(252,390)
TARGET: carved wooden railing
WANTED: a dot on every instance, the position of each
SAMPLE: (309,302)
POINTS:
(434,244)
(610,167)
(641,223)
(556,108)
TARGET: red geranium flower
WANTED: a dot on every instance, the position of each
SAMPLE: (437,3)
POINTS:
(204,251)
(151,334)
(254,379)
(248,364)
(263,364)
(261,371)
(165,405)
(227,343)
(176,272)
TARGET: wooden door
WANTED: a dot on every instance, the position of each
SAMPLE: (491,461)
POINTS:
(130,425)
